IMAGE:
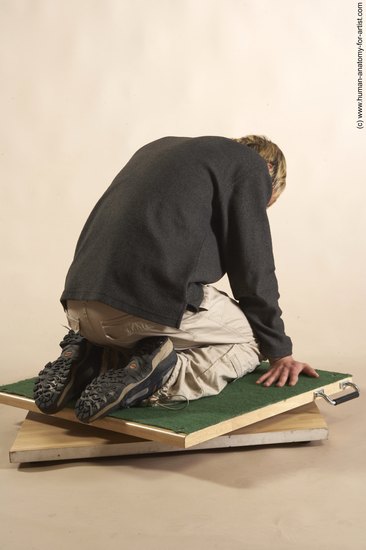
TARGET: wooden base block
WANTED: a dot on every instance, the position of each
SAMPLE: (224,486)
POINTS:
(45,438)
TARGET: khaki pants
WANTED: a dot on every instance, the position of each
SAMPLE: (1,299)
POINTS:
(214,345)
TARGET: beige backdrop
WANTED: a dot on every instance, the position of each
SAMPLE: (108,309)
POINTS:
(86,82)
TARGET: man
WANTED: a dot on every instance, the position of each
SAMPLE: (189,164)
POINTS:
(179,215)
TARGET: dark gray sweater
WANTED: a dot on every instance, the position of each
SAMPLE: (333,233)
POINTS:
(182,212)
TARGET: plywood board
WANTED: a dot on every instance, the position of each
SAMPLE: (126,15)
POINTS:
(241,404)
(45,438)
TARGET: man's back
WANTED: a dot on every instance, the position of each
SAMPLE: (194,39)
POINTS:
(181,213)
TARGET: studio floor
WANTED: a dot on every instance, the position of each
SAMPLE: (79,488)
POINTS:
(297,496)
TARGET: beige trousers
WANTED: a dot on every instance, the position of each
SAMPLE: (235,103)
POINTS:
(214,346)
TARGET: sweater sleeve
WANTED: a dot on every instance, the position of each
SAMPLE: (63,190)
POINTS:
(250,263)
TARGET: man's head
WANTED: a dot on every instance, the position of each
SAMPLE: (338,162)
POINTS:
(275,159)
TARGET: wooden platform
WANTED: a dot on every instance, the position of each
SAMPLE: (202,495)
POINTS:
(179,439)
(46,438)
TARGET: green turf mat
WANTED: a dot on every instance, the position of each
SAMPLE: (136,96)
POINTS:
(239,397)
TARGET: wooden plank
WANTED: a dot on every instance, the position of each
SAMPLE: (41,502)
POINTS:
(183,440)
(44,438)
(258,415)
(109,423)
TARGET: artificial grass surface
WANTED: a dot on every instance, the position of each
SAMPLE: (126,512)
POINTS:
(239,397)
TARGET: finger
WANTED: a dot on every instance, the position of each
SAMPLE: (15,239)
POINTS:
(306,369)
(294,377)
(274,376)
(267,377)
(283,378)
(264,377)
(310,371)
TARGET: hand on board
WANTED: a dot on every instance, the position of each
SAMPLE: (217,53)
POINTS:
(285,370)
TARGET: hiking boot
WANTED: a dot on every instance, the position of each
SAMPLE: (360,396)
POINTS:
(150,365)
(65,378)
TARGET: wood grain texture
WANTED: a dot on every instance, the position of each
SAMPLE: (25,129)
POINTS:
(44,438)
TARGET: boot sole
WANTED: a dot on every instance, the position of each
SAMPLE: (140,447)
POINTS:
(133,392)
(56,384)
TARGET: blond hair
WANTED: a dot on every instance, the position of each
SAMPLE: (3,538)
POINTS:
(274,157)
